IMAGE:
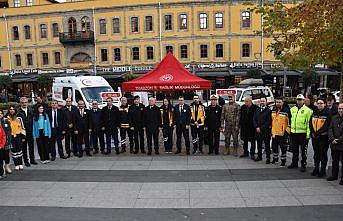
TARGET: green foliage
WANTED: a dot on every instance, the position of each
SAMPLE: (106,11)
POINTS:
(44,80)
(5,82)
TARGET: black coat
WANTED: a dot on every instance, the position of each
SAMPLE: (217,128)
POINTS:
(60,119)
(136,116)
(246,122)
(27,120)
(213,116)
(95,116)
(336,132)
(69,118)
(82,124)
(182,119)
(263,120)
(110,118)
(152,119)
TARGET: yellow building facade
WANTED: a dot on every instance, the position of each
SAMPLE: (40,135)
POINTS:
(120,36)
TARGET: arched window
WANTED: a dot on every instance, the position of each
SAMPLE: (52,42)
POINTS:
(85,24)
(80,57)
(72,29)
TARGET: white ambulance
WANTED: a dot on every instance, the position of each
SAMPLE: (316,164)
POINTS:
(86,88)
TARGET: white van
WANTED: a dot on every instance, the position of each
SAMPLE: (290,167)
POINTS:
(255,92)
(86,88)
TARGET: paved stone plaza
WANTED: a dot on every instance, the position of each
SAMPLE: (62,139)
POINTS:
(167,187)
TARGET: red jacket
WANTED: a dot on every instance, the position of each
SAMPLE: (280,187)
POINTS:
(2,138)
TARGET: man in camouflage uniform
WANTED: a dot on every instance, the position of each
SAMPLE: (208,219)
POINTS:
(230,124)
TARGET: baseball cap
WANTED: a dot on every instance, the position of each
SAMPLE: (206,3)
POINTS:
(300,97)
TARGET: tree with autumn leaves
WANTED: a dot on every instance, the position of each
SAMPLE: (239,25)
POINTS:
(305,34)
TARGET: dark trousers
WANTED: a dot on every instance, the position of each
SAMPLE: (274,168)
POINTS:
(266,141)
(197,137)
(28,144)
(152,135)
(97,136)
(4,157)
(17,150)
(56,137)
(320,149)
(181,130)
(299,140)
(123,132)
(252,148)
(213,140)
(83,138)
(70,136)
(337,156)
(43,146)
(138,135)
(112,133)
(278,142)
(168,138)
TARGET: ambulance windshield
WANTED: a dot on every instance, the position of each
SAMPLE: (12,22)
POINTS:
(93,93)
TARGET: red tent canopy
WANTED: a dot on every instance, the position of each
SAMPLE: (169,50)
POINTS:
(169,75)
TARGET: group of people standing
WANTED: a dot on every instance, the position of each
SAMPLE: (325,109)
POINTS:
(83,128)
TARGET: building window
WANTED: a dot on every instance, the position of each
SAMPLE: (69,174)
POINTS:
(150,53)
(135,53)
(203,51)
(29,59)
(219,50)
(72,28)
(85,24)
(183,21)
(104,56)
(168,23)
(45,58)
(29,2)
(148,23)
(116,25)
(17,60)
(15,33)
(117,55)
(184,51)
(103,26)
(0,62)
(169,48)
(203,20)
(55,30)
(246,50)
(57,57)
(219,20)
(134,25)
(246,19)
(43,31)
(27,32)
(16,3)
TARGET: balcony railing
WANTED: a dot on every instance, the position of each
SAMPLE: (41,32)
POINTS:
(80,37)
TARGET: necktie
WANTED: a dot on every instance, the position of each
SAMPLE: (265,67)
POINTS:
(81,112)
(55,119)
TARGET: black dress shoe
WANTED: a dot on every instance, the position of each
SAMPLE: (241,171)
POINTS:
(209,153)
(117,152)
(303,169)
(292,166)
(135,152)
(341,182)
(53,158)
(268,161)
(216,153)
(63,157)
(122,151)
(27,164)
(80,155)
(103,152)
(143,152)
(149,153)
(188,153)
(275,161)
(131,151)
(178,151)
(244,155)
(95,152)
(332,178)
(321,174)
(257,159)
(33,162)
(89,154)
(315,172)
(157,152)
(107,152)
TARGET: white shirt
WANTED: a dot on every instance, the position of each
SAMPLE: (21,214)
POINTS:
(25,110)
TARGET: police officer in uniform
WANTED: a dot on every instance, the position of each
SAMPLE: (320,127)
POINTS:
(167,115)
(136,121)
(125,126)
(197,124)
(213,125)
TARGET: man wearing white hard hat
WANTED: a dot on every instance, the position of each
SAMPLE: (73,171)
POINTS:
(300,132)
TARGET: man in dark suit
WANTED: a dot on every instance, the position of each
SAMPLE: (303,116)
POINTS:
(68,131)
(182,118)
(82,128)
(136,119)
(56,118)
(152,123)
(97,133)
(27,115)
(262,124)
(109,124)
